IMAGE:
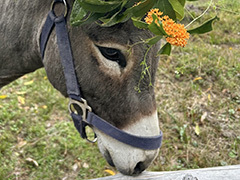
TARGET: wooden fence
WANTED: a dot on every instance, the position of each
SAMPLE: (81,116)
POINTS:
(215,173)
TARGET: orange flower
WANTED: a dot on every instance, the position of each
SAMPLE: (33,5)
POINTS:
(149,18)
(177,34)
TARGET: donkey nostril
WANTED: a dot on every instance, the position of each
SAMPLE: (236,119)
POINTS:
(140,167)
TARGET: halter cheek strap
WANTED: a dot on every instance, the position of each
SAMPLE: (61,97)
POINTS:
(87,117)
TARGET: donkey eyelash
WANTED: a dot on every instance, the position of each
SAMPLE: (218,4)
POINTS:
(113,54)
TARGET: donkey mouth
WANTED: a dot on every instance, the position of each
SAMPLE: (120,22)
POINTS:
(139,168)
(108,158)
(127,159)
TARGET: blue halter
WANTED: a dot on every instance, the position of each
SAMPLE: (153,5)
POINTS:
(87,117)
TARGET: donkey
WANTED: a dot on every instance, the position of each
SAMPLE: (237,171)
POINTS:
(107,63)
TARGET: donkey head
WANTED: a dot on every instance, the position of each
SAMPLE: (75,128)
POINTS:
(108,66)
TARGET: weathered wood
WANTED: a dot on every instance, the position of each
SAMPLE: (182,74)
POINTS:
(215,173)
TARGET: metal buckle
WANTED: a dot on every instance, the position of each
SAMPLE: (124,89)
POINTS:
(65,6)
(84,108)
(83,105)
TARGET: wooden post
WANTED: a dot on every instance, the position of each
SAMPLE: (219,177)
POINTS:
(215,173)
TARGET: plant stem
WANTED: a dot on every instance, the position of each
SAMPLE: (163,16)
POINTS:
(145,70)
(210,3)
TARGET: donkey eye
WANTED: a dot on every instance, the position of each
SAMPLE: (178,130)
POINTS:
(113,55)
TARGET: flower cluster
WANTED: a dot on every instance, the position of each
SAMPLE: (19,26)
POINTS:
(177,34)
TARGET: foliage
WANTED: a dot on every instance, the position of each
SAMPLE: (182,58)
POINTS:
(111,12)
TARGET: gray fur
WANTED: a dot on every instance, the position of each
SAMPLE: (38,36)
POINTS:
(112,98)
(21,24)
(19,28)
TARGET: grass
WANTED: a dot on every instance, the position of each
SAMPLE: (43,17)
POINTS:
(198,99)
(198,87)
(38,140)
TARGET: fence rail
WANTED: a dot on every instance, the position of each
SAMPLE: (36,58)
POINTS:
(215,173)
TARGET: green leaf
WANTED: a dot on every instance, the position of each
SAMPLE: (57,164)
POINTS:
(91,17)
(77,14)
(114,18)
(154,28)
(166,49)
(178,8)
(166,8)
(131,3)
(204,28)
(109,21)
(232,154)
(99,6)
(182,2)
(141,9)
(153,40)
(139,24)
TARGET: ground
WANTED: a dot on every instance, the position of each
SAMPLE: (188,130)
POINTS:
(198,100)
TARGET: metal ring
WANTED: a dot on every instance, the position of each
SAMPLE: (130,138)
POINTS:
(95,136)
(60,1)
(93,141)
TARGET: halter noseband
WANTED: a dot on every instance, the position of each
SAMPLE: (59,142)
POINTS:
(87,117)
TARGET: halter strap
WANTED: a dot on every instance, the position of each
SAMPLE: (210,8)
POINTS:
(88,118)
